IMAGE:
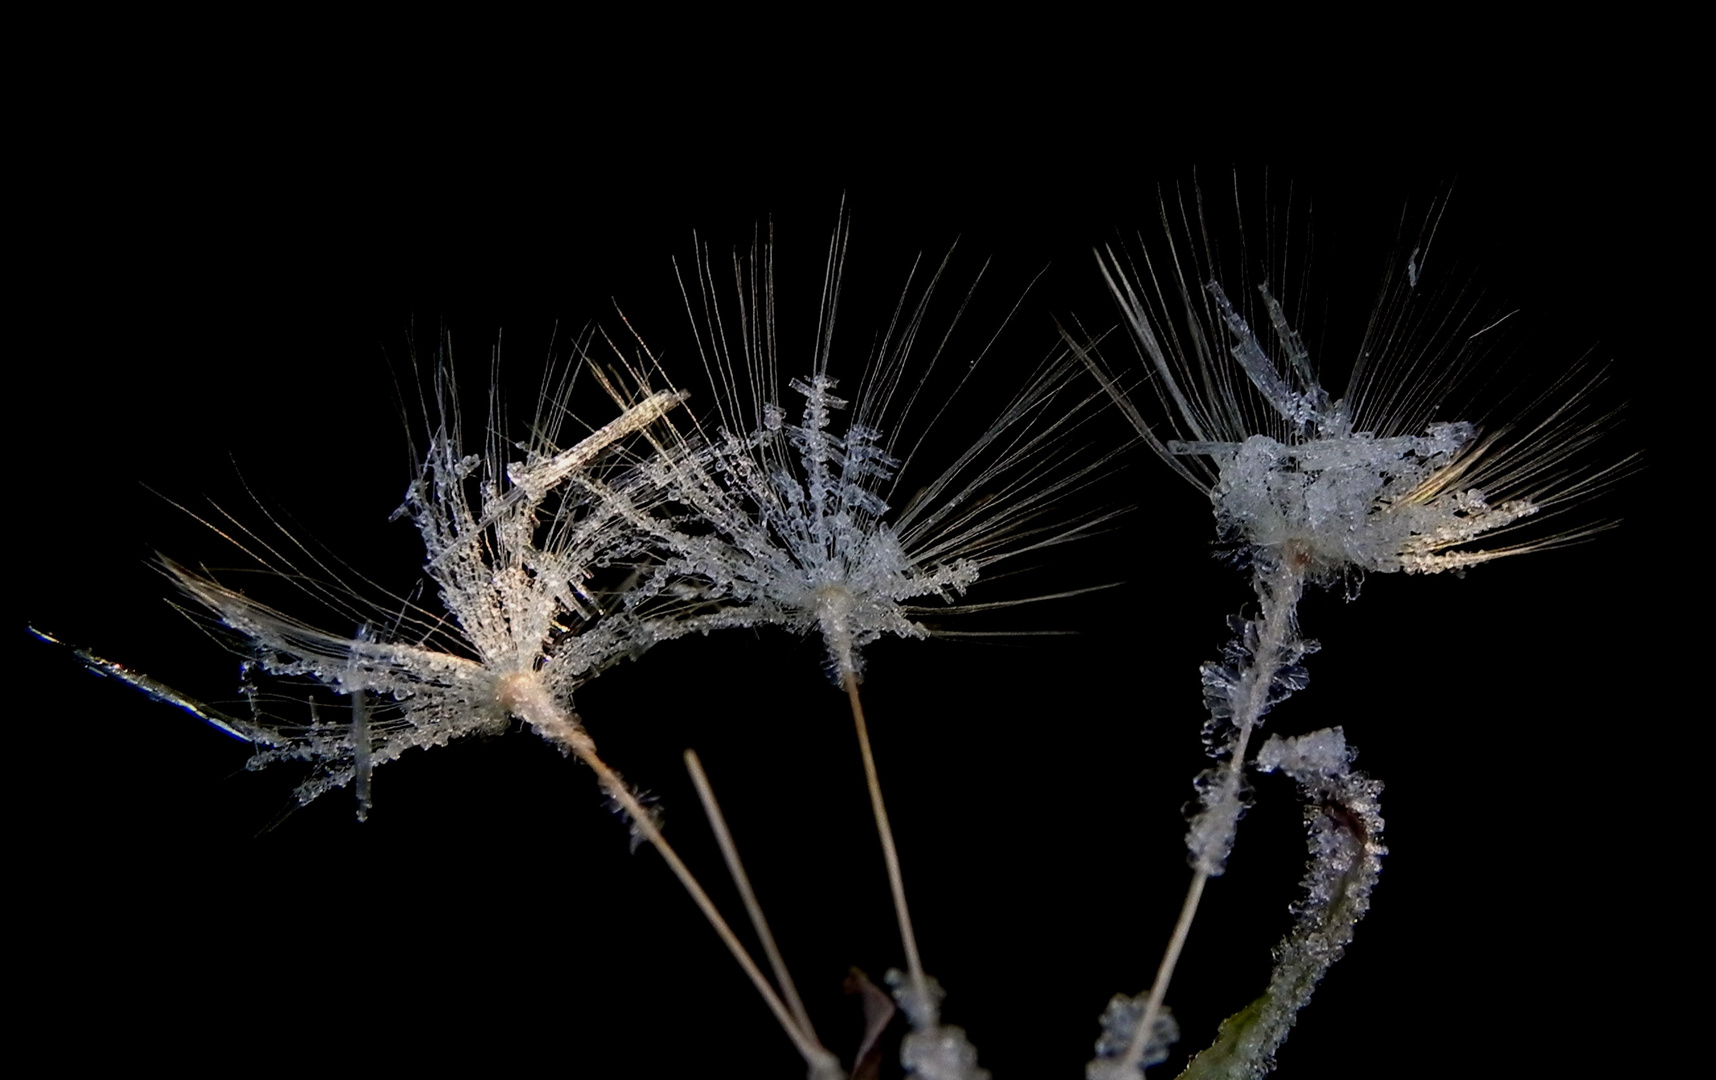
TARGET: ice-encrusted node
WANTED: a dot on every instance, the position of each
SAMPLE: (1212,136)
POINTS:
(922,1010)
(1213,818)
(932,1050)
(1120,1022)
(941,1053)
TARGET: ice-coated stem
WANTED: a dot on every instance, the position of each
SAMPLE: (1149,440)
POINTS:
(1278,590)
(525,698)
(890,855)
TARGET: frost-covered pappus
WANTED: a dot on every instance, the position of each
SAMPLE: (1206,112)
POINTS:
(792,510)
(1376,479)
(512,568)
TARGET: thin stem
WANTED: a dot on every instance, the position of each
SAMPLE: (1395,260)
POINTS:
(1278,595)
(525,698)
(730,852)
(890,855)
(1165,972)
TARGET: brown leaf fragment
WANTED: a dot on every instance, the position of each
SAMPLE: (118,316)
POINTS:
(879,1010)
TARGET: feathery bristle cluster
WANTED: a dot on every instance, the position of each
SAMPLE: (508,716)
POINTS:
(1375,479)
(1382,499)
(793,524)
(512,576)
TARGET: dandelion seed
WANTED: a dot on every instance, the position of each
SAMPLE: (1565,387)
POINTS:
(796,524)
(1364,482)
(1309,487)
(518,614)
(793,524)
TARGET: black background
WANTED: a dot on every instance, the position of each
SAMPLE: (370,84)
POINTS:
(225,294)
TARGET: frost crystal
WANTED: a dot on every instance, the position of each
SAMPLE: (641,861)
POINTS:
(1309,759)
(1258,670)
(1222,796)
(931,1050)
(1343,820)
(1119,1027)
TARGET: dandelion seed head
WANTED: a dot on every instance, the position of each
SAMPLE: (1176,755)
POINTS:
(520,627)
(786,514)
(798,538)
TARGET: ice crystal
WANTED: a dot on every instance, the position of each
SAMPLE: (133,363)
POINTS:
(1120,1022)
(1260,668)
(932,1050)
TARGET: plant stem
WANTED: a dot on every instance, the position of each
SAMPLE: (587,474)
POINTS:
(730,851)
(890,855)
(1278,592)
(524,698)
